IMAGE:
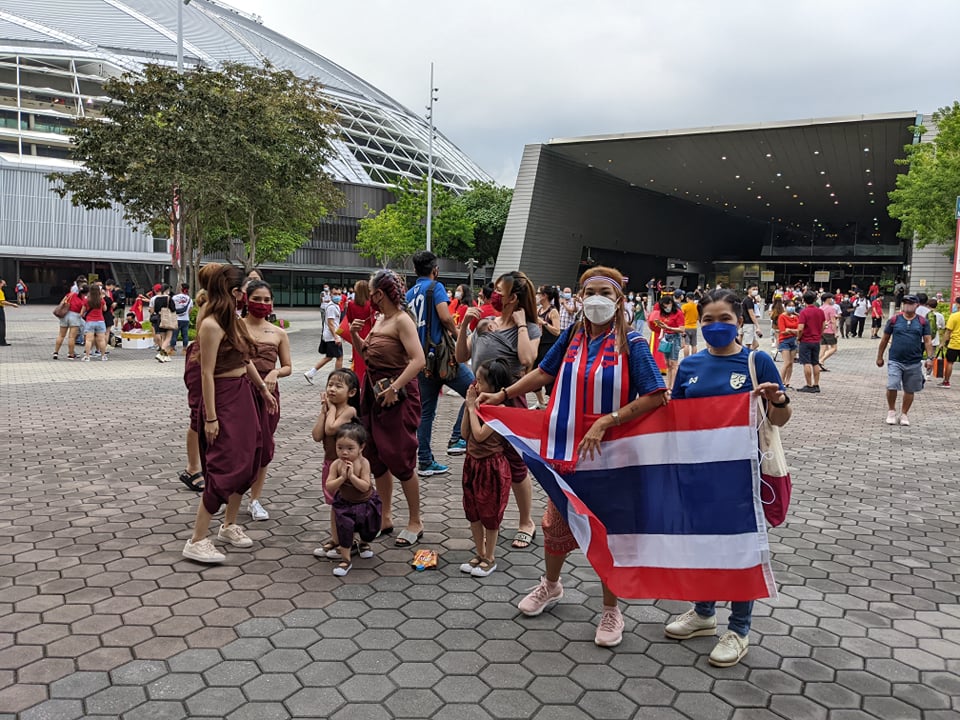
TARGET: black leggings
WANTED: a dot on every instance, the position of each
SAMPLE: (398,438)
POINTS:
(856,325)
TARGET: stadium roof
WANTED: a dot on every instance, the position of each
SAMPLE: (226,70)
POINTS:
(826,170)
(382,140)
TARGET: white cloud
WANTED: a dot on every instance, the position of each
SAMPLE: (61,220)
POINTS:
(522,71)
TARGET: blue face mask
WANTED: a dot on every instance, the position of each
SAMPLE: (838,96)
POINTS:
(719,334)
(336,299)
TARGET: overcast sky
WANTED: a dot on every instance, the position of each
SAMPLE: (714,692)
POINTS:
(513,72)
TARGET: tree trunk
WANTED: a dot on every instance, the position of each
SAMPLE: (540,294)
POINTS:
(251,259)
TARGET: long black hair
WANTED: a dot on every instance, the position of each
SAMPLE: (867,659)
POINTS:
(496,372)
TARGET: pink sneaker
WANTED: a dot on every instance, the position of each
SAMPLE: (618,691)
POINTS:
(543,596)
(610,629)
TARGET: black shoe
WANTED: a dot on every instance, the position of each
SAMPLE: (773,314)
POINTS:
(823,368)
(4,344)
(816,388)
(807,389)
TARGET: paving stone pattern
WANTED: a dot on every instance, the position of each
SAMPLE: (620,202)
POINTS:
(101,618)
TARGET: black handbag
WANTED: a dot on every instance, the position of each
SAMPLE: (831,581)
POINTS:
(441,357)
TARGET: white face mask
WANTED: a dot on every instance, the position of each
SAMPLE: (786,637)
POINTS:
(599,309)
(458,295)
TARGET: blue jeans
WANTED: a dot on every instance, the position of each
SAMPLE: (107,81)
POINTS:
(182,331)
(741,613)
(430,389)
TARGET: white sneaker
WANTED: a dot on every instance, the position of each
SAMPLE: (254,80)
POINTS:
(234,535)
(730,648)
(257,512)
(484,569)
(309,375)
(891,417)
(904,420)
(364,551)
(86,358)
(202,551)
(690,625)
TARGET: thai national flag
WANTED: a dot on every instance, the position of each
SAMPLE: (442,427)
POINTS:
(671,508)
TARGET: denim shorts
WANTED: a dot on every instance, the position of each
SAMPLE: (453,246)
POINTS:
(676,343)
(73,319)
(789,343)
(97,326)
(908,378)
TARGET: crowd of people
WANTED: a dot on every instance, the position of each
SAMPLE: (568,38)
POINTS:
(376,420)
(409,345)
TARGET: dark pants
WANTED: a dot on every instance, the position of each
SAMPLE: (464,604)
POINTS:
(3,326)
(856,325)
(430,389)
(182,331)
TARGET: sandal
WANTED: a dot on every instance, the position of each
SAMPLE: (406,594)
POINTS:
(386,531)
(191,480)
(364,551)
(327,547)
(484,569)
(407,538)
(522,540)
(468,566)
(342,569)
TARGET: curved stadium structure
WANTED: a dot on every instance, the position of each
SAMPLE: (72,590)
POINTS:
(54,58)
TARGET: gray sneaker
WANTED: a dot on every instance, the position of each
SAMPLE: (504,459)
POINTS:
(257,512)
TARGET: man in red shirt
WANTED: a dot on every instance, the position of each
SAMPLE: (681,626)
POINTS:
(874,290)
(810,331)
(876,315)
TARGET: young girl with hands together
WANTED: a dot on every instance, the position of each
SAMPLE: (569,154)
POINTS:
(340,403)
(356,505)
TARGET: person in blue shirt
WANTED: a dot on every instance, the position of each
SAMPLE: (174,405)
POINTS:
(907,333)
(602,333)
(723,369)
(434,310)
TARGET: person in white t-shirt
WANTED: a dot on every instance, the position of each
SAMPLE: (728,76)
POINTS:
(331,345)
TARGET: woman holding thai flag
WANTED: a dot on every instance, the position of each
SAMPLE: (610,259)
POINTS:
(603,375)
(724,368)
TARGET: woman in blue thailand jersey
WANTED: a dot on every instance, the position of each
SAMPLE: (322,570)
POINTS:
(723,369)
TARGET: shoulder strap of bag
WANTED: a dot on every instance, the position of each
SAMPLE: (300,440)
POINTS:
(426,311)
(752,364)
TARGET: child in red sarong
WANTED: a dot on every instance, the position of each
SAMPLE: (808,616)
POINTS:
(486,471)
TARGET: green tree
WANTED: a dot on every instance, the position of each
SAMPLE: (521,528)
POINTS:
(925,197)
(244,147)
(400,229)
(487,206)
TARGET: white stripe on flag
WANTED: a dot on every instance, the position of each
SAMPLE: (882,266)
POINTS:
(675,448)
(689,552)
(503,431)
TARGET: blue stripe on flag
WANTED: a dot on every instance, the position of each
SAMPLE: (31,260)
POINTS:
(656,499)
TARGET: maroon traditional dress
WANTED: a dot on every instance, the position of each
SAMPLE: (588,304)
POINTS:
(392,430)
(232,461)
(356,513)
(194,382)
(265,361)
(486,480)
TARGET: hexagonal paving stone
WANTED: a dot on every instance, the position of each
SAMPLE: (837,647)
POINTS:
(271,687)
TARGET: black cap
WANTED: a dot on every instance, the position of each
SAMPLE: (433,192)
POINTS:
(912,299)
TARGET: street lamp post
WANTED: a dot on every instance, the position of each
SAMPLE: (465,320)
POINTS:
(180,4)
(433,98)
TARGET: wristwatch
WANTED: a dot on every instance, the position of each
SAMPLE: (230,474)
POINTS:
(786,401)
(616,417)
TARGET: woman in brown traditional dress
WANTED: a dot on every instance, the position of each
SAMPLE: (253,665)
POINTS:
(390,400)
(231,407)
(271,344)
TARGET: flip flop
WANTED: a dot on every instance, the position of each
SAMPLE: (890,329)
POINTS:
(191,480)
(407,538)
(522,540)
(386,531)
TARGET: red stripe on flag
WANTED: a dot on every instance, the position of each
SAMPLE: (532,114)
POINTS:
(661,583)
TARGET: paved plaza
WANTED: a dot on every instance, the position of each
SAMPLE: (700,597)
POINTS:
(100,617)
